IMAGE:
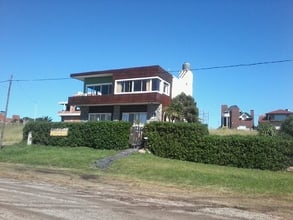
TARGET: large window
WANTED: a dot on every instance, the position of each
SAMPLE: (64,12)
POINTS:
(279,117)
(135,117)
(99,89)
(142,85)
(100,116)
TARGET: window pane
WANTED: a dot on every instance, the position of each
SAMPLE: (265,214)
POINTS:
(148,85)
(127,86)
(108,117)
(119,87)
(142,117)
(105,89)
(166,88)
(155,84)
(137,85)
(125,116)
(131,117)
(144,85)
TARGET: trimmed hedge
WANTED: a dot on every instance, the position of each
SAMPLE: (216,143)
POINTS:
(185,142)
(98,135)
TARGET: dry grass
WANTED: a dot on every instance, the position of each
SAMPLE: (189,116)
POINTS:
(226,131)
(12,133)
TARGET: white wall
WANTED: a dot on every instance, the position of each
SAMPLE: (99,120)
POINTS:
(184,83)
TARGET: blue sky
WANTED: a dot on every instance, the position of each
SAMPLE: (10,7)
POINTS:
(54,38)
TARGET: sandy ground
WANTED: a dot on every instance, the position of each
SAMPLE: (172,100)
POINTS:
(37,193)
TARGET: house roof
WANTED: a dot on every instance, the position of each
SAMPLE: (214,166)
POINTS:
(280,112)
(232,107)
(245,113)
(155,69)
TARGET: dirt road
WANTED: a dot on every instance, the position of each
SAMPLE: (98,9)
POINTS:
(50,195)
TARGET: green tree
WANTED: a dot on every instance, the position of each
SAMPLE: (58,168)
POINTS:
(287,126)
(182,108)
(266,129)
(44,119)
(174,112)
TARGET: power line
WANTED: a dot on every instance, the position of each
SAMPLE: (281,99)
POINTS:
(4,81)
(238,65)
(35,80)
(194,69)
(243,65)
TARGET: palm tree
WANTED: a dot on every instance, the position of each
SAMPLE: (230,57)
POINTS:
(182,108)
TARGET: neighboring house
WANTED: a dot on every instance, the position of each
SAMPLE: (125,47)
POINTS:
(232,117)
(275,118)
(69,113)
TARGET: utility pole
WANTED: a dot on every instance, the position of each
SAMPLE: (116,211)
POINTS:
(5,113)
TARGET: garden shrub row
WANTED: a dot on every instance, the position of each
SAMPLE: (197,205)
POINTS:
(98,135)
(190,142)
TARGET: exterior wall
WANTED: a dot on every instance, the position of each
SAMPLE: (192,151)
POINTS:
(70,118)
(184,83)
(116,112)
(120,99)
(155,112)
(84,112)
(234,123)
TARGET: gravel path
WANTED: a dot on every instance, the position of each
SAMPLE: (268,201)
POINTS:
(106,162)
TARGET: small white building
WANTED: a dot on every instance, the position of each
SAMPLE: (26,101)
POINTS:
(184,83)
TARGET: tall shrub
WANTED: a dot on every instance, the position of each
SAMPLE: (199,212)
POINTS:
(99,135)
(190,142)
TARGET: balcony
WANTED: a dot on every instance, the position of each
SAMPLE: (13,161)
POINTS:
(121,99)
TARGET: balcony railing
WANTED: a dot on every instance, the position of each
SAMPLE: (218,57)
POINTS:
(143,98)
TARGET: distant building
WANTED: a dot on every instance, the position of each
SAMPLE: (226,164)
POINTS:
(232,117)
(275,118)
(14,119)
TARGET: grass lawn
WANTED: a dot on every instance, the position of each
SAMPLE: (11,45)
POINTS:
(81,158)
(152,169)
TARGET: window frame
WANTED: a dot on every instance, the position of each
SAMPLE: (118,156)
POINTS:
(146,86)
(108,116)
(100,85)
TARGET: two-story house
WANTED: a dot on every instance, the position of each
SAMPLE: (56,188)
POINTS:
(134,94)
(275,118)
(233,117)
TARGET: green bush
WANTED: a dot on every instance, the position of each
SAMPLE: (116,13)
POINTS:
(99,135)
(266,129)
(287,126)
(170,139)
(191,142)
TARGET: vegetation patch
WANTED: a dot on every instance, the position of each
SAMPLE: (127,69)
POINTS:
(99,135)
(153,169)
(52,156)
(190,142)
